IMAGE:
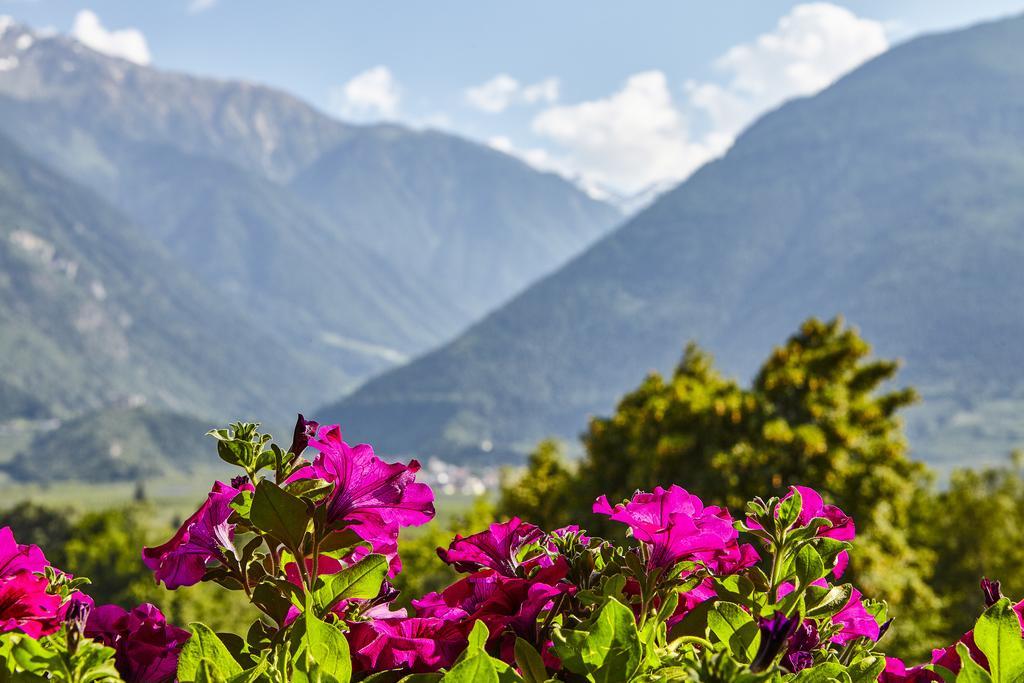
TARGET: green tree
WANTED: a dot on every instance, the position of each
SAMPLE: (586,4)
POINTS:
(35,524)
(538,493)
(976,526)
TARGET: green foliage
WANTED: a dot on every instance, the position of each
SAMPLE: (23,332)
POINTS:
(976,528)
(57,657)
(538,495)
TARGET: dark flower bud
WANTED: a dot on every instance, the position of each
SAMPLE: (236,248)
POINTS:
(304,431)
(884,628)
(775,632)
(798,661)
(992,590)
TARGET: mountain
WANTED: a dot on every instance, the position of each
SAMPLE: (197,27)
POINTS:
(894,197)
(92,313)
(116,444)
(360,246)
(471,223)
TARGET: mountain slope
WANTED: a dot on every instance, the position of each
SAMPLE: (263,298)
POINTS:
(92,313)
(268,202)
(893,197)
(474,224)
(116,444)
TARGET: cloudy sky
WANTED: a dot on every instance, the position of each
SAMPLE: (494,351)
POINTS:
(617,95)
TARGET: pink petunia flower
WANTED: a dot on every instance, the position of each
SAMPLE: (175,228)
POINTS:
(146,646)
(855,621)
(674,524)
(26,606)
(203,537)
(15,557)
(898,672)
(418,645)
(375,497)
(496,548)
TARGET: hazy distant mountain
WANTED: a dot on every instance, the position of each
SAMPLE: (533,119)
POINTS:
(471,224)
(895,197)
(93,313)
(359,245)
(116,444)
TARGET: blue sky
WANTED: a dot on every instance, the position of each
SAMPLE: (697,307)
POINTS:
(619,95)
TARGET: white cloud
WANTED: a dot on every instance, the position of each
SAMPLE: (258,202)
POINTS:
(126,43)
(372,94)
(499,93)
(640,136)
(197,6)
(810,47)
(630,139)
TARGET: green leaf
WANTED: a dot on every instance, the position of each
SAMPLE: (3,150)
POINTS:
(268,597)
(826,672)
(731,624)
(530,662)
(279,513)
(970,670)
(209,673)
(832,602)
(476,669)
(789,509)
(866,669)
(205,645)
(808,566)
(362,580)
(606,648)
(327,646)
(998,635)
(478,637)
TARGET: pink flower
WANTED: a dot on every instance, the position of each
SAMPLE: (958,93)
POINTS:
(897,672)
(497,548)
(205,536)
(501,602)
(377,498)
(419,644)
(812,506)
(15,557)
(855,621)
(146,647)
(674,524)
(26,606)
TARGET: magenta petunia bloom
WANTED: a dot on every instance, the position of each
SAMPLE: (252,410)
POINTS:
(812,506)
(497,548)
(855,621)
(146,646)
(26,606)
(376,497)
(674,524)
(502,603)
(205,536)
(418,645)
(898,672)
(15,557)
